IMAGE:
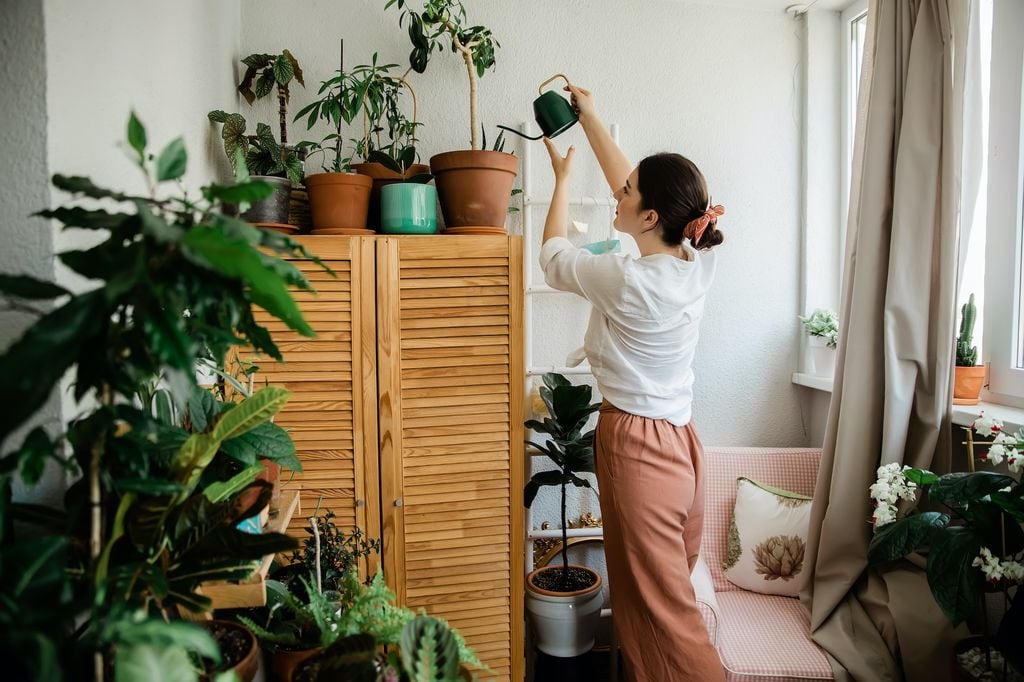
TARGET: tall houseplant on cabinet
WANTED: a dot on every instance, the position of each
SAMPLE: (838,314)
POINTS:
(473,185)
(271,160)
(339,199)
(98,584)
(968,376)
(563,601)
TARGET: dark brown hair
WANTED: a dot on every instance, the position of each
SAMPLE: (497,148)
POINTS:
(674,187)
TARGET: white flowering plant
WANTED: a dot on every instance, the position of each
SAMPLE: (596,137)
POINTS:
(823,323)
(972,530)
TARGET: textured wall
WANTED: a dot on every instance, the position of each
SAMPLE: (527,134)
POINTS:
(720,84)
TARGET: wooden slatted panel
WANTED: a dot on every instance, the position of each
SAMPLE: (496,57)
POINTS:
(451,376)
(327,415)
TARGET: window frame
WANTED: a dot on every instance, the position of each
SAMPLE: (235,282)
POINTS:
(848,114)
(1005,209)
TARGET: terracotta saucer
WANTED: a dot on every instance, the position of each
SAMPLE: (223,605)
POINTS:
(278,227)
(343,230)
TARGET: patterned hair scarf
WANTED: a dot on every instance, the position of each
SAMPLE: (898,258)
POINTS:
(695,228)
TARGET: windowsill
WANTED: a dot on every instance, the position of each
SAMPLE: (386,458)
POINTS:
(963,415)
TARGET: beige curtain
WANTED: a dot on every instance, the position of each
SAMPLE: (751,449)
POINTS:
(891,396)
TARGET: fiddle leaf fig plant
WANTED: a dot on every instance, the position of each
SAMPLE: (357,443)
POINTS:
(164,471)
(568,447)
(443,24)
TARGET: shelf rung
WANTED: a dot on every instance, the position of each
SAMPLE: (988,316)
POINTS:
(538,533)
(538,371)
(573,201)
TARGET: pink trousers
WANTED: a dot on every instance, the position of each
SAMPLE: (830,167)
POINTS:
(650,474)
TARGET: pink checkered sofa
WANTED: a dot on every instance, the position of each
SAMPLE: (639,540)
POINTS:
(759,637)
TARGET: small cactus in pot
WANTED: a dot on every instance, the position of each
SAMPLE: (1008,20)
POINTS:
(966,353)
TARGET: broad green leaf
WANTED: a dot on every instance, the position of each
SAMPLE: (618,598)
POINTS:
(222,490)
(153,663)
(267,441)
(170,165)
(202,407)
(237,259)
(148,486)
(218,116)
(955,584)
(250,413)
(295,67)
(283,69)
(165,331)
(921,477)
(33,454)
(257,60)
(23,286)
(171,634)
(249,192)
(264,84)
(962,487)
(137,136)
(902,537)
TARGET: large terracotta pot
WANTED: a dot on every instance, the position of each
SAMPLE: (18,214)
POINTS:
(565,623)
(474,186)
(285,662)
(967,383)
(382,176)
(339,201)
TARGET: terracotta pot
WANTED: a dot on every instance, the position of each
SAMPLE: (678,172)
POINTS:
(284,662)
(272,475)
(338,200)
(246,668)
(382,176)
(474,187)
(967,383)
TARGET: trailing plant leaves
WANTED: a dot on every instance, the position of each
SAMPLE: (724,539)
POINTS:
(170,165)
(77,184)
(30,288)
(955,584)
(902,537)
(960,487)
(269,441)
(137,136)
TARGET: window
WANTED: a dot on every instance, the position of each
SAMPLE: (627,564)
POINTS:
(853,23)
(1005,205)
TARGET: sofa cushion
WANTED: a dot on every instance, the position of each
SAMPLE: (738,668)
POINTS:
(767,539)
(793,469)
(766,638)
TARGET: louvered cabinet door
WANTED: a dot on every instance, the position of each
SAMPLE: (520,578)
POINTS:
(449,331)
(332,379)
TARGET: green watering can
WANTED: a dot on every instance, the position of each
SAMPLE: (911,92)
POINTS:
(553,112)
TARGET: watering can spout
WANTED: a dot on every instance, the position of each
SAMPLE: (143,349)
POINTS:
(553,112)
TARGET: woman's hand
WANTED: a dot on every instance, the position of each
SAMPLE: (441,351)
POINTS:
(561,165)
(582,101)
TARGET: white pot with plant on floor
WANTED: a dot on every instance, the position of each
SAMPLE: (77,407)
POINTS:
(564,602)
(823,328)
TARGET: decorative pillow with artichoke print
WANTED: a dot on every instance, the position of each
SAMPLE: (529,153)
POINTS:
(767,539)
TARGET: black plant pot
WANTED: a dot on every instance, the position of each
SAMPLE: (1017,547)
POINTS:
(273,209)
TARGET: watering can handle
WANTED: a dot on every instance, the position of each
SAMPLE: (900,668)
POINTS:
(540,88)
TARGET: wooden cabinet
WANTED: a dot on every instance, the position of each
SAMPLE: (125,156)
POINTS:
(407,415)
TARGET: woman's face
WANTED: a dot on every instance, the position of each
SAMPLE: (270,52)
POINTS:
(630,216)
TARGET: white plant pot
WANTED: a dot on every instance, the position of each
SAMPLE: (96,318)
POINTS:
(565,624)
(822,357)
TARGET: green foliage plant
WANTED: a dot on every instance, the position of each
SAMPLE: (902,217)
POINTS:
(823,323)
(261,153)
(966,351)
(970,525)
(442,24)
(569,447)
(340,552)
(267,72)
(162,482)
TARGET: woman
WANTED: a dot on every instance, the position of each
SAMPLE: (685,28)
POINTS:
(640,343)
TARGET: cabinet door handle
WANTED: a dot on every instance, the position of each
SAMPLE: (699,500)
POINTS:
(399,502)
(360,503)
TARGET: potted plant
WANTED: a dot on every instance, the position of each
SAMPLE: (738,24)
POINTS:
(823,328)
(473,185)
(339,199)
(968,376)
(153,512)
(388,144)
(563,601)
(328,553)
(974,540)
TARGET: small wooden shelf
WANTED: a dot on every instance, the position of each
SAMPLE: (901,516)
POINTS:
(253,592)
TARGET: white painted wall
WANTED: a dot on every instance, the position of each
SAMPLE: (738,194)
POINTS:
(720,84)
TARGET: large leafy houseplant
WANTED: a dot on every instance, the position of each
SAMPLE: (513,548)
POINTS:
(568,446)
(161,484)
(971,529)
(261,153)
(269,72)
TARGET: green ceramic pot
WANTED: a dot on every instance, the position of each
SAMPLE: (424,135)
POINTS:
(408,208)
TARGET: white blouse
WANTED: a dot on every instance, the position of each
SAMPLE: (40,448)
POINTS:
(644,325)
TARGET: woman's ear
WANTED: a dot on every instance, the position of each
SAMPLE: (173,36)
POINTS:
(650,218)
